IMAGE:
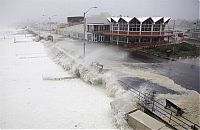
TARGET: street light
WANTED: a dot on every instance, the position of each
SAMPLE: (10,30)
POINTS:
(49,17)
(85,28)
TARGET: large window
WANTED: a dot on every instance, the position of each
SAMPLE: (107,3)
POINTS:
(106,27)
(156,27)
(123,26)
(163,27)
(146,25)
(95,28)
(115,26)
(134,25)
(101,27)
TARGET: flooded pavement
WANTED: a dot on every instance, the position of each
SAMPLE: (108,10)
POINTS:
(145,86)
(184,74)
(117,59)
(145,76)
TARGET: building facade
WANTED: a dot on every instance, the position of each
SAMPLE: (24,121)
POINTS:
(75,20)
(131,32)
(195,34)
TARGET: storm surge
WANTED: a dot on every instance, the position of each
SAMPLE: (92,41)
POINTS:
(83,69)
(114,61)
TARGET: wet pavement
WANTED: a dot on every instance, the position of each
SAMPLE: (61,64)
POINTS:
(184,74)
(145,86)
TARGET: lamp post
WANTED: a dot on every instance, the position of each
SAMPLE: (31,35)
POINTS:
(49,17)
(84,15)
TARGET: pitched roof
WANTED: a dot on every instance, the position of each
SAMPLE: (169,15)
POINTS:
(116,19)
(166,19)
(109,19)
(142,19)
(127,19)
(156,19)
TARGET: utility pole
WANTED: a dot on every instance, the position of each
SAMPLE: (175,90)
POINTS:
(84,33)
(50,18)
(50,24)
(174,36)
(197,24)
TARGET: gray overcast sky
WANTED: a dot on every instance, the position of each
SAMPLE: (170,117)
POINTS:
(18,10)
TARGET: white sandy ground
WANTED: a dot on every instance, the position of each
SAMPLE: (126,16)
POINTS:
(28,101)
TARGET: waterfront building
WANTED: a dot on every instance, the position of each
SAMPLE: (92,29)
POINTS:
(75,20)
(195,34)
(131,31)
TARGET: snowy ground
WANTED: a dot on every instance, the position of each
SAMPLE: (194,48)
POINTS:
(28,101)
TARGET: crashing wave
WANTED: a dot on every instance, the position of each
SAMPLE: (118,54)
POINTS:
(82,68)
(87,73)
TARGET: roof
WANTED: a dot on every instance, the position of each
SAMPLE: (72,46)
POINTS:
(127,19)
(100,20)
(140,19)
(116,19)
(166,19)
(156,19)
(97,24)
(109,19)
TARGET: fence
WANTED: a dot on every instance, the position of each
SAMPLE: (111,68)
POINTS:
(169,116)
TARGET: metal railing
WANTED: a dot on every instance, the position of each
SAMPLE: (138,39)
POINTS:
(167,115)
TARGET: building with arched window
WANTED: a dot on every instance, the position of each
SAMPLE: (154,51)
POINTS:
(131,32)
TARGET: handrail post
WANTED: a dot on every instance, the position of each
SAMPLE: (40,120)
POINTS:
(153,106)
(170,116)
(139,96)
(158,107)
(194,127)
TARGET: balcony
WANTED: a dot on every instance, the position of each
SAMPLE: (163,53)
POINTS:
(142,45)
(130,33)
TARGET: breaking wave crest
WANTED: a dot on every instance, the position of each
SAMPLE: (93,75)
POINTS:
(85,71)
(82,68)
(77,67)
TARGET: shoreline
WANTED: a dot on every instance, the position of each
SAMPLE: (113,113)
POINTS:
(173,97)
